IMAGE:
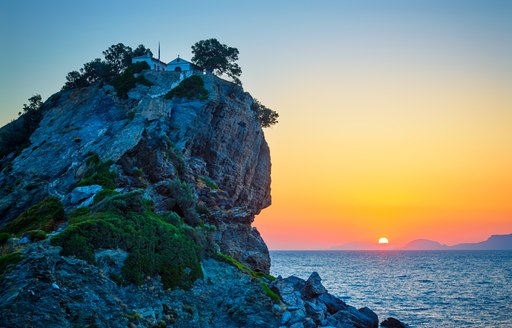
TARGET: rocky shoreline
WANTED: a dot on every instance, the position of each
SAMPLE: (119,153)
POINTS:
(56,291)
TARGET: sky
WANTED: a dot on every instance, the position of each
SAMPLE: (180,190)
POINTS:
(395,116)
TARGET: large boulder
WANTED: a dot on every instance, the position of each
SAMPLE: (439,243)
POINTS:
(313,287)
(393,323)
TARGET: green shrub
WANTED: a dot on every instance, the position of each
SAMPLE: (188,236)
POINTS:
(35,235)
(4,237)
(191,87)
(78,212)
(102,194)
(126,221)
(127,80)
(181,199)
(15,136)
(173,218)
(9,260)
(99,173)
(45,215)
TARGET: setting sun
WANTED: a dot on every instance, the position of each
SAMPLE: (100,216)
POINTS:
(383,240)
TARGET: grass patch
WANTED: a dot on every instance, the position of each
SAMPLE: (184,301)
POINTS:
(256,275)
(9,260)
(126,221)
(191,87)
(209,182)
(127,81)
(270,293)
(45,216)
(104,193)
(99,173)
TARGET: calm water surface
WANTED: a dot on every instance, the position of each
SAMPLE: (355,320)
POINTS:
(421,288)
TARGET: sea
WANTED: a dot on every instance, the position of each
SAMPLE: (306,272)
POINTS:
(420,288)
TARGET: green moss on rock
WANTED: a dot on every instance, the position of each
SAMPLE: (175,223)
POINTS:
(154,246)
(263,277)
(209,182)
(8,261)
(45,216)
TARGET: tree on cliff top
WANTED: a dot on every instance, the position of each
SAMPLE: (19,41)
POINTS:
(117,59)
(217,58)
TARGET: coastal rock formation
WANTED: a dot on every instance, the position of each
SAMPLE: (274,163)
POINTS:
(137,212)
(215,146)
(49,290)
(308,304)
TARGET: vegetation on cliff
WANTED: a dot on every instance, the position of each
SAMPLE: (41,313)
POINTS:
(8,260)
(18,137)
(266,116)
(98,172)
(127,80)
(217,58)
(45,216)
(118,58)
(191,87)
(264,278)
(126,221)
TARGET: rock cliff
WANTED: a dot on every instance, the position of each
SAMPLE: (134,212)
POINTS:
(137,212)
(216,146)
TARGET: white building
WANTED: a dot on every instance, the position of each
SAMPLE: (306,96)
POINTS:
(181,65)
(154,64)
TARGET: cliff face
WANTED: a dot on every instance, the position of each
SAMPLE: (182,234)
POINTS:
(148,203)
(215,146)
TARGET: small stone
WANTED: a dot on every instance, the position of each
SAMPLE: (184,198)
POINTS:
(24,240)
(79,194)
(54,285)
(392,323)
(297,325)
(372,315)
(286,317)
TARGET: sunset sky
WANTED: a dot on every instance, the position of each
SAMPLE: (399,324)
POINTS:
(395,116)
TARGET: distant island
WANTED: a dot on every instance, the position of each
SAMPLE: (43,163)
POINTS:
(494,242)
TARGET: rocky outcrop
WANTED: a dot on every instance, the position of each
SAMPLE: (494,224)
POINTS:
(203,166)
(48,290)
(393,323)
(308,304)
(149,142)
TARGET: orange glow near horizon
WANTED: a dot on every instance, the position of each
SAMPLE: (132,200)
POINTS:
(413,161)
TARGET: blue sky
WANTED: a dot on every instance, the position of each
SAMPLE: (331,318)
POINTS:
(395,115)
(43,40)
